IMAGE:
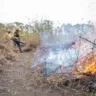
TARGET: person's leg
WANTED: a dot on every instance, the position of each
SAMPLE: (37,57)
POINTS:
(19,46)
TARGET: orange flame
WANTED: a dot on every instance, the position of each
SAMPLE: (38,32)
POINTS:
(91,67)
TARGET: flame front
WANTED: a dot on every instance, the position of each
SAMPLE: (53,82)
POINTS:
(90,67)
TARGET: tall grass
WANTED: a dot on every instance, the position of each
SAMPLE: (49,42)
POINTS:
(8,51)
(32,38)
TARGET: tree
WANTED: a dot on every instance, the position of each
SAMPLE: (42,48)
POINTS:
(2,26)
(19,25)
(10,26)
(28,28)
(42,26)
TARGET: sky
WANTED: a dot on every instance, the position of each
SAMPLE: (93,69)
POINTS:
(59,11)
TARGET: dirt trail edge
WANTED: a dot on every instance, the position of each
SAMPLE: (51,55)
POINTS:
(14,79)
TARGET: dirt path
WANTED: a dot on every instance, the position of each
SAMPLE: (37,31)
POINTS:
(15,79)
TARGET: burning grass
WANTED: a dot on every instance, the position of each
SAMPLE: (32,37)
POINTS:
(64,83)
(61,82)
(81,81)
(91,66)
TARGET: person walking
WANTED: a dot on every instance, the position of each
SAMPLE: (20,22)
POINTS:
(16,39)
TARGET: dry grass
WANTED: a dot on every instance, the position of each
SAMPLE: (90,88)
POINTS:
(32,40)
(84,86)
(8,52)
(62,82)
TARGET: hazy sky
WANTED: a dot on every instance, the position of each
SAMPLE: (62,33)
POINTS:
(67,11)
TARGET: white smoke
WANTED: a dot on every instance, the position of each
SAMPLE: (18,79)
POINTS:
(56,50)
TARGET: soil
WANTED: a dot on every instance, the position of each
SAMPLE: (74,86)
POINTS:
(15,79)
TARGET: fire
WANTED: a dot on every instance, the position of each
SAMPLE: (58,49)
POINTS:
(87,64)
(91,67)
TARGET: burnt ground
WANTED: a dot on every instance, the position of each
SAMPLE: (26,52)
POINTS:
(15,79)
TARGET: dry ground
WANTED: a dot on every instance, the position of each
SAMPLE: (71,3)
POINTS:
(15,79)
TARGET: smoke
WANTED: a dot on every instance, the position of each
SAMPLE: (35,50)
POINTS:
(60,49)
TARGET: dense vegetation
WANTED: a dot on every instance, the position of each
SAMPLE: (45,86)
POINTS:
(47,26)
